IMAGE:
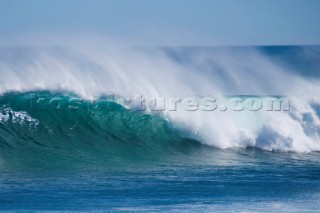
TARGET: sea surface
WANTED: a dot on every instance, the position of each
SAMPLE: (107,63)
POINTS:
(69,141)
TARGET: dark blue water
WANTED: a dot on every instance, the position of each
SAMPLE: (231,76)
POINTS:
(206,180)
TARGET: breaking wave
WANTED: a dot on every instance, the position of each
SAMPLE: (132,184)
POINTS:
(89,73)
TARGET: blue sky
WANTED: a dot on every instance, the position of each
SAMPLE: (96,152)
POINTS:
(167,22)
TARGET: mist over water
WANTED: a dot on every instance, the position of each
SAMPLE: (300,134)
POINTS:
(93,72)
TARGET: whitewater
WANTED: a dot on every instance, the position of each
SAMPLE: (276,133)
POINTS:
(91,73)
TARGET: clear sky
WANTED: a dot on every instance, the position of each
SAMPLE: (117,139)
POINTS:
(167,22)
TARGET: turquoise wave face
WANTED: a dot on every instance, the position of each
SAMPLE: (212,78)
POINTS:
(48,137)
(48,134)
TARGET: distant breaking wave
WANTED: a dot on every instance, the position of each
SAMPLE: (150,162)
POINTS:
(157,72)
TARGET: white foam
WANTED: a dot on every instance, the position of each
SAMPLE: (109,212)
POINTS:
(91,72)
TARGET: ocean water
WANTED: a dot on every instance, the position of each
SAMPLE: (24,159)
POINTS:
(71,139)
